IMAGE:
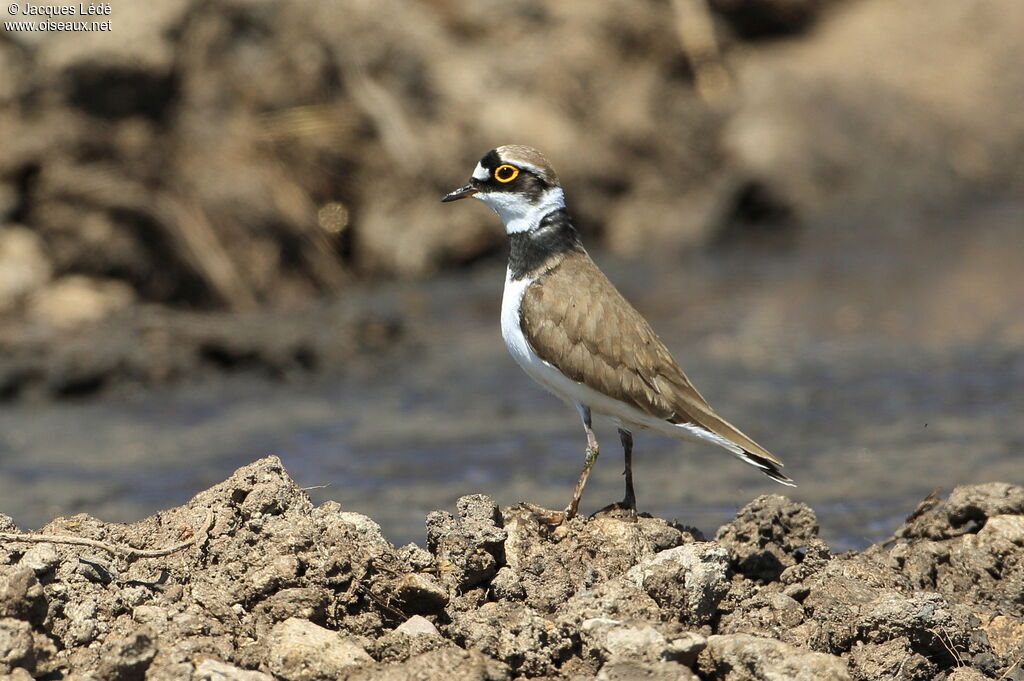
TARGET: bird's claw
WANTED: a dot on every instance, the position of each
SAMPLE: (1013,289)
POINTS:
(622,510)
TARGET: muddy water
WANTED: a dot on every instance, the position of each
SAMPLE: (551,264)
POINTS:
(877,375)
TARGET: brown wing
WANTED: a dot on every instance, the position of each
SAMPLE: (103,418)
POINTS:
(575,319)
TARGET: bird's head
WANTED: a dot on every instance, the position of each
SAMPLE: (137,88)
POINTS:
(518,183)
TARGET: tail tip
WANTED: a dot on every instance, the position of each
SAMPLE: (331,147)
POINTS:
(769,467)
(780,478)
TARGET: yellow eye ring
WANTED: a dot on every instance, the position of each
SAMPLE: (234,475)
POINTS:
(506,173)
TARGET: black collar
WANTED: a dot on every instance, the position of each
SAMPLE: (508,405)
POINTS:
(553,235)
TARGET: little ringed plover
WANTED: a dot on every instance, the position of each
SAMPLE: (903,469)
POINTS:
(571,330)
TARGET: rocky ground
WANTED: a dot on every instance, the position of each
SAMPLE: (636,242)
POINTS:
(264,585)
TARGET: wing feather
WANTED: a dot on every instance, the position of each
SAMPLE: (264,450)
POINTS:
(608,346)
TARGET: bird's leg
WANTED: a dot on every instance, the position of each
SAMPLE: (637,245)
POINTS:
(629,503)
(592,452)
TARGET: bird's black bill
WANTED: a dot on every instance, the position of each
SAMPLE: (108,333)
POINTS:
(460,193)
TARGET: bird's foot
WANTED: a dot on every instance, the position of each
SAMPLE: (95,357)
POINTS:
(545,516)
(623,510)
(552,518)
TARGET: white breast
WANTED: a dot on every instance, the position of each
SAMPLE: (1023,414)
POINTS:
(512,333)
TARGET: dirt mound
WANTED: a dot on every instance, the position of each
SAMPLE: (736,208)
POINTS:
(257,583)
(156,346)
(228,153)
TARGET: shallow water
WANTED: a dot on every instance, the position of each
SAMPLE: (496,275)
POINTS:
(857,371)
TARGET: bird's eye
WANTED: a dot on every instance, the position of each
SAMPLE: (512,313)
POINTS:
(506,173)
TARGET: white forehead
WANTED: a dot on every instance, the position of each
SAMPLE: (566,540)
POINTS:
(481,173)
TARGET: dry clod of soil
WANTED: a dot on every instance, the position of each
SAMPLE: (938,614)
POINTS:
(632,670)
(280,589)
(213,670)
(893,659)
(469,547)
(704,570)
(966,674)
(767,535)
(742,657)
(298,650)
(21,595)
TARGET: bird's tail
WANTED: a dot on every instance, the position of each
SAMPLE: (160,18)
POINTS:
(718,431)
(767,466)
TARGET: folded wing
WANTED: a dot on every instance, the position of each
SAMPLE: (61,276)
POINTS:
(578,321)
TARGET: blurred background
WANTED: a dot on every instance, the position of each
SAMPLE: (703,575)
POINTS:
(220,238)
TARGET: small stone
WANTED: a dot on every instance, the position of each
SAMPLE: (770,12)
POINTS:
(127,658)
(1003,531)
(1005,634)
(365,526)
(298,650)
(215,670)
(613,640)
(798,592)
(507,585)
(280,570)
(7,524)
(82,627)
(19,674)
(685,649)
(21,595)
(415,636)
(449,663)
(634,643)
(417,625)
(416,557)
(890,660)
(515,634)
(636,670)
(788,611)
(306,603)
(418,593)
(464,561)
(41,558)
(894,614)
(96,569)
(966,674)
(17,647)
(742,657)
(480,520)
(148,614)
(700,569)
(767,534)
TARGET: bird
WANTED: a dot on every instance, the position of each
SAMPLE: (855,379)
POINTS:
(571,330)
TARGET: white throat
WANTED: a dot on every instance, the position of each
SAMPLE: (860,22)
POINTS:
(518,214)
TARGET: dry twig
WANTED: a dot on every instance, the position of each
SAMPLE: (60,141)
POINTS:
(1009,670)
(114,549)
(947,642)
(202,246)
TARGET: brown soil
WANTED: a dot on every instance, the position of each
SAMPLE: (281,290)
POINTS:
(226,154)
(278,588)
(156,346)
